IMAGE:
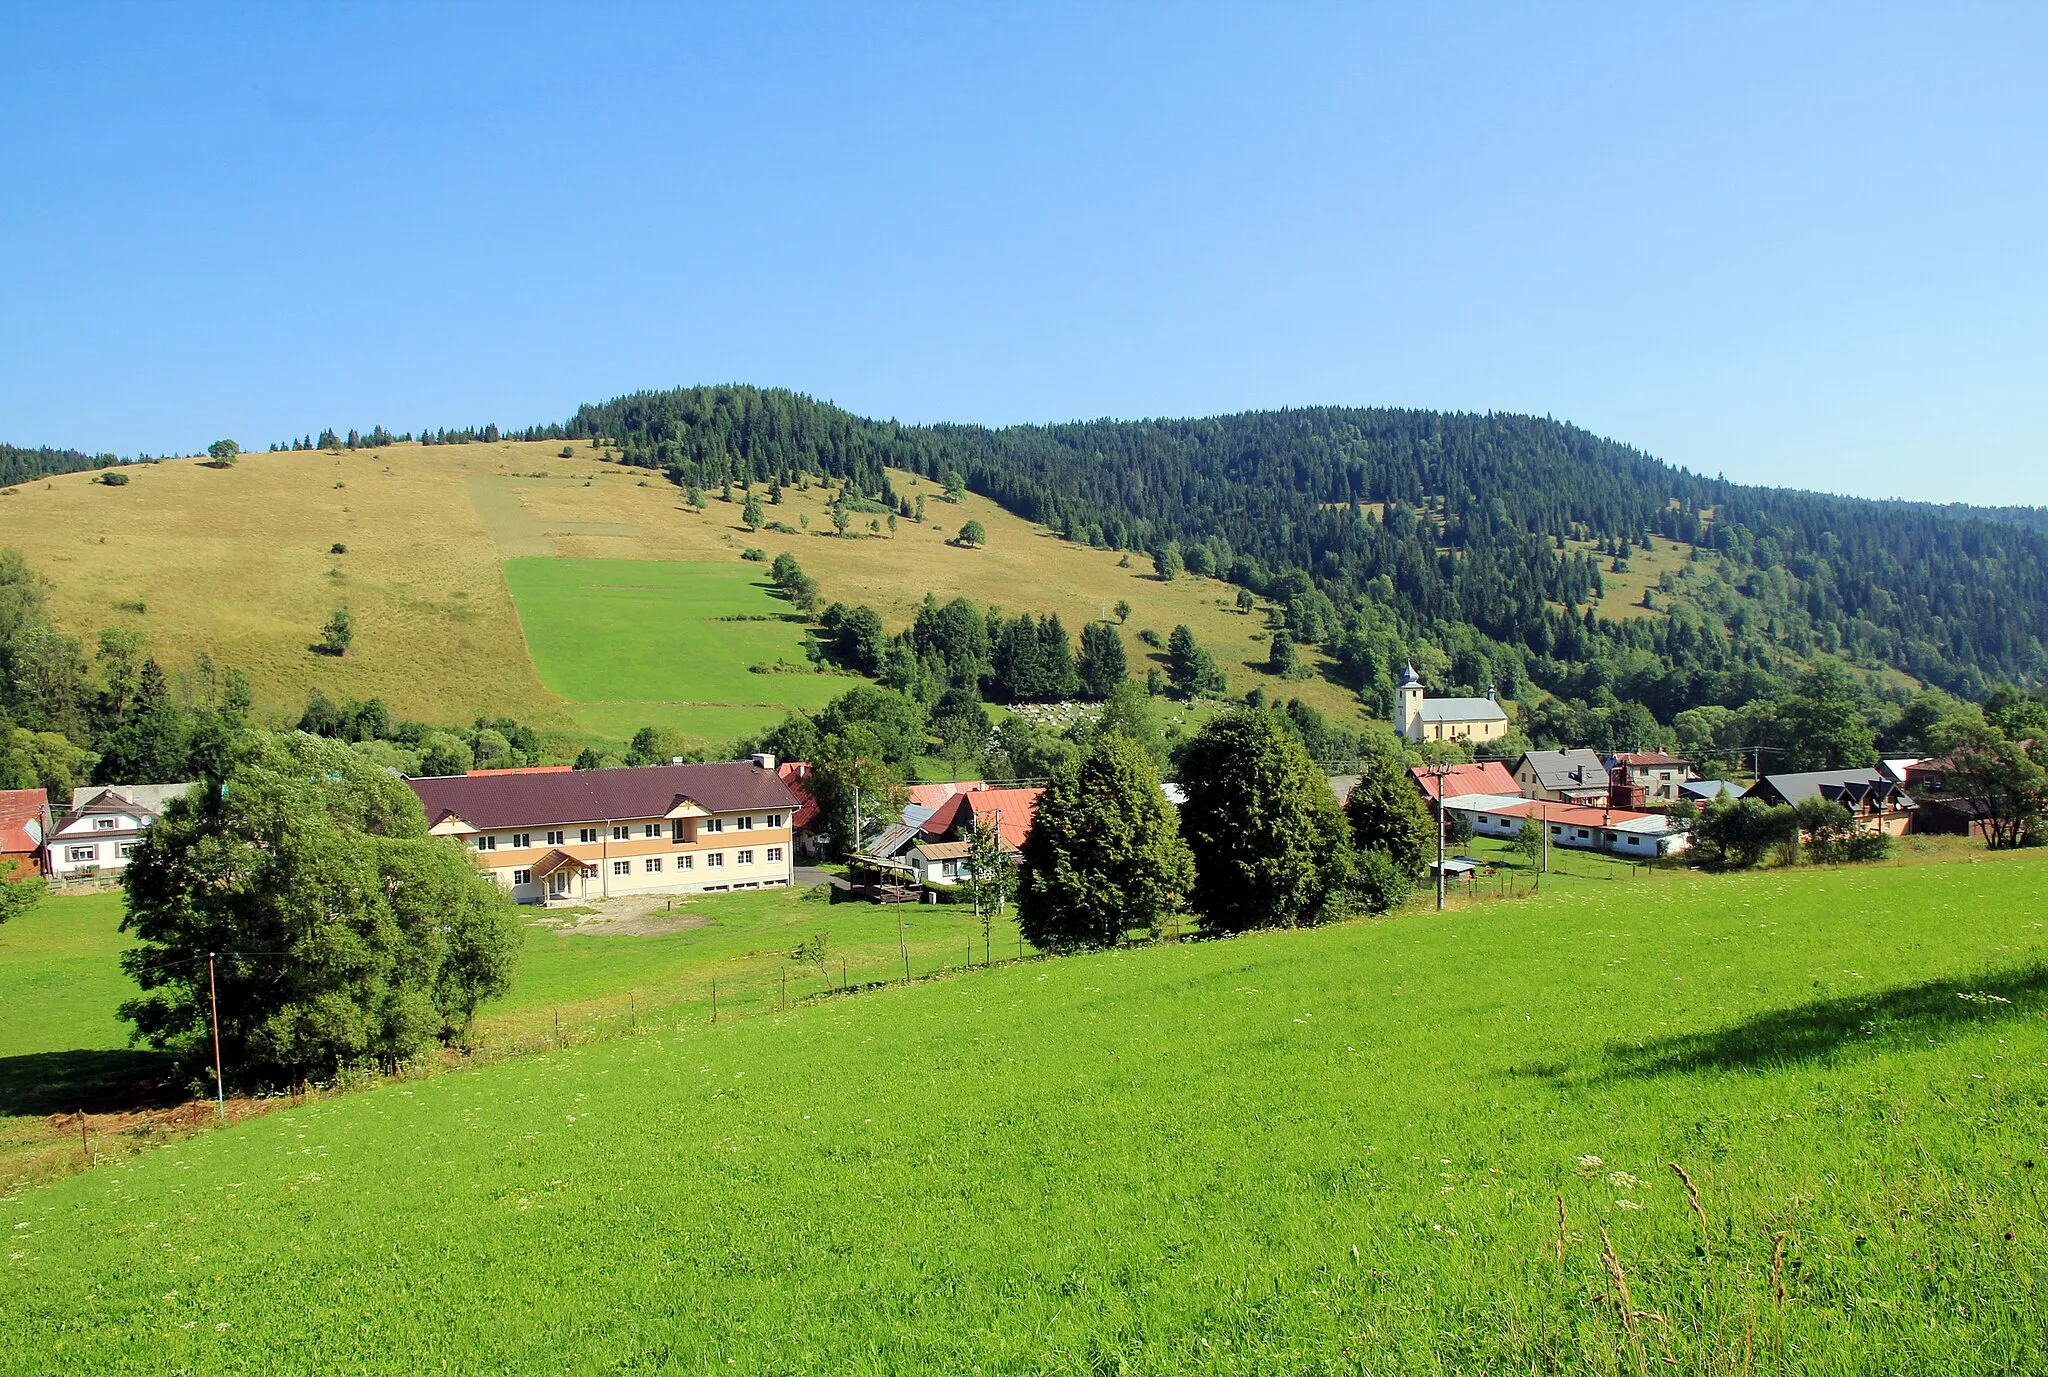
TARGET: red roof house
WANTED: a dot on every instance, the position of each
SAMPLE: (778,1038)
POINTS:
(1482,777)
(24,827)
(1010,809)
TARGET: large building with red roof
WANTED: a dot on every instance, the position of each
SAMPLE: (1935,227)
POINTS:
(590,834)
(1479,777)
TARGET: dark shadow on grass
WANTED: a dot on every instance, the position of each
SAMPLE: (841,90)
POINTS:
(102,1082)
(1883,1020)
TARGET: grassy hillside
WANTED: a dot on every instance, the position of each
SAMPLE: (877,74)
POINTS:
(1333,1151)
(236,562)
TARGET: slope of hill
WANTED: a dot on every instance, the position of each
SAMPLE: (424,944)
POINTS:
(239,564)
(1426,1145)
(1479,509)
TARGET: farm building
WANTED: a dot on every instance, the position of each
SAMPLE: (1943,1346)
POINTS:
(24,826)
(1876,801)
(589,834)
(1619,831)
(1704,791)
(105,825)
(940,863)
(1576,776)
(1418,717)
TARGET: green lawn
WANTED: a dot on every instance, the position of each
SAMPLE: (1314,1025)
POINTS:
(1324,1151)
(633,643)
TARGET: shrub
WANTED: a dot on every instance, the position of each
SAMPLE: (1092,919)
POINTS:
(113,479)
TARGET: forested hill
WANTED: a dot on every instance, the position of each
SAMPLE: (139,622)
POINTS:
(18,465)
(1448,521)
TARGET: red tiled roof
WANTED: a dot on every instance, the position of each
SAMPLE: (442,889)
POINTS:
(1485,777)
(1017,807)
(793,773)
(1647,759)
(19,808)
(932,795)
(526,799)
(1568,814)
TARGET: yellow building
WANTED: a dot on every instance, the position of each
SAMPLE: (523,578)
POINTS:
(566,835)
(1418,717)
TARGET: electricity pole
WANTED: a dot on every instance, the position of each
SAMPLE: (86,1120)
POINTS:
(1437,772)
(220,1089)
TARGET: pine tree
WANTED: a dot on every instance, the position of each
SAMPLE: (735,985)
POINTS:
(1102,665)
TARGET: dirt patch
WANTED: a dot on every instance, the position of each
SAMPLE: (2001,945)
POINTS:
(640,915)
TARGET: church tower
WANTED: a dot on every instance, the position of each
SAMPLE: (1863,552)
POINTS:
(1408,696)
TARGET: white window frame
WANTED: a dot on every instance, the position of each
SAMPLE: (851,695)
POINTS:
(686,862)
(486,842)
(714,824)
(650,830)
(774,854)
(586,836)
(714,859)
(81,855)
(744,823)
(744,857)
(105,824)
(621,832)
(522,877)
(653,866)
(522,841)
(554,839)
(125,850)
(622,867)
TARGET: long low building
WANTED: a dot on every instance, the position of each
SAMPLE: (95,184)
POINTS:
(563,836)
(1620,831)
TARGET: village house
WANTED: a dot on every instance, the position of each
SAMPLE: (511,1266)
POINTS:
(560,836)
(1875,800)
(24,825)
(1418,717)
(1705,791)
(1654,773)
(96,839)
(1617,831)
(1575,776)
(1455,781)
(940,863)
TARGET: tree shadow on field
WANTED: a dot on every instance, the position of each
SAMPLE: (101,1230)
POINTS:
(1883,1020)
(99,1082)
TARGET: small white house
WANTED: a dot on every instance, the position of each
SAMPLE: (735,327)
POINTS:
(1618,831)
(940,863)
(99,835)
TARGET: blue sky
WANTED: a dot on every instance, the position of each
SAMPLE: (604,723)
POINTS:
(1795,245)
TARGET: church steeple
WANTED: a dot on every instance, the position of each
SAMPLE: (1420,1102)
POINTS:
(1408,696)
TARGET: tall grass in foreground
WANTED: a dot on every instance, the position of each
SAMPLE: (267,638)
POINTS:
(1439,1144)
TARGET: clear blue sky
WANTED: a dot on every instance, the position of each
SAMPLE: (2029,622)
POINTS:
(1800,246)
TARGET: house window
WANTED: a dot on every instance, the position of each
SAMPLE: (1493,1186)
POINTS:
(679,831)
(774,820)
(1583,834)
(714,824)
(621,832)
(522,877)
(126,849)
(650,829)
(586,835)
(744,858)
(654,865)
(745,823)
(82,853)
(686,862)
(554,839)
(522,840)
(622,867)
(487,843)
(106,824)
(714,859)
(774,854)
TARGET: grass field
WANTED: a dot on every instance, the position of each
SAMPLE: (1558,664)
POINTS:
(236,562)
(1333,1151)
(651,643)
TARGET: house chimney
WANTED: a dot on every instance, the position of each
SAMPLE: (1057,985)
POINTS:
(763,760)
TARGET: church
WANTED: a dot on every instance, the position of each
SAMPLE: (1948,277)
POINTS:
(1418,717)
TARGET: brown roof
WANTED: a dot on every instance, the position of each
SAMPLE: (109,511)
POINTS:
(488,802)
(943,851)
(1646,759)
(558,860)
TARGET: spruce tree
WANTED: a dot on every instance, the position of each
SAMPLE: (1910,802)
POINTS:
(1104,855)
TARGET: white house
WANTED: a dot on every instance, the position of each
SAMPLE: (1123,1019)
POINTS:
(105,825)
(1418,717)
(940,863)
(1618,831)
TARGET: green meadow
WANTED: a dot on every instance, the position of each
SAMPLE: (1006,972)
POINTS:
(634,643)
(1439,1143)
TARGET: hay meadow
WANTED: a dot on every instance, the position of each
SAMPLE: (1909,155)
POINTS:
(1437,1143)
(239,563)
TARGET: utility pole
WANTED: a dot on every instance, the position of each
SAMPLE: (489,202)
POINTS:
(1437,772)
(220,1088)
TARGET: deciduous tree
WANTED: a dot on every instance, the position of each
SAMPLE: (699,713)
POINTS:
(1104,854)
